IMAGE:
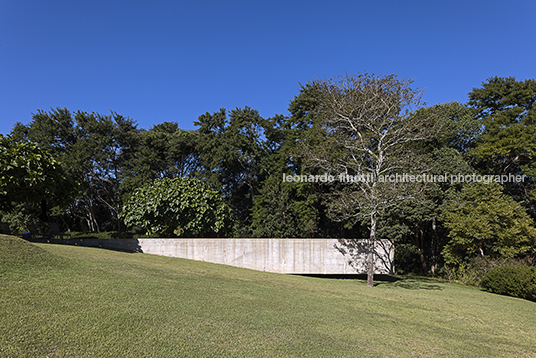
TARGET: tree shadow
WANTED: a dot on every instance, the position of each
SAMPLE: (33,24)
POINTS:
(123,245)
(354,276)
(408,283)
(357,251)
(415,283)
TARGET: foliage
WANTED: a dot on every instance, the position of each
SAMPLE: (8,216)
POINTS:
(104,235)
(30,175)
(459,126)
(415,226)
(231,150)
(21,215)
(180,206)
(506,110)
(472,272)
(485,222)
(516,281)
(164,151)
(94,150)
(283,209)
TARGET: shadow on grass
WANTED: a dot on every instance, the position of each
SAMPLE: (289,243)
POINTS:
(409,283)
(122,245)
(417,284)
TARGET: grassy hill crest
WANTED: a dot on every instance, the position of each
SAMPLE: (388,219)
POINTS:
(19,254)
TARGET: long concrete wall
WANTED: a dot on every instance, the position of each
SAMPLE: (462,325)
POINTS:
(292,256)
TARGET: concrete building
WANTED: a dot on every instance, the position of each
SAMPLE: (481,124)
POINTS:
(290,256)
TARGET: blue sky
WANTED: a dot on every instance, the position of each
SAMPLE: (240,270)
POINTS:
(157,61)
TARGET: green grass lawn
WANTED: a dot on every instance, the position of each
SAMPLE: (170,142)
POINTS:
(69,301)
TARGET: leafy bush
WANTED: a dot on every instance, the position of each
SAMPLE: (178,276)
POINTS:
(472,272)
(103,235)
(181,206)
(516,281)
(30,174)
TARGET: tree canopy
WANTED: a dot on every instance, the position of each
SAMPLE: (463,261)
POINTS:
(506,110)
(485,222)
(30,175)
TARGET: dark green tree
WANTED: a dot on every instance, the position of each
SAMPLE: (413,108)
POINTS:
(164,151)
(506,109)
(415,226)
(487,223)
(29,176)
(94,150)
(231,150)
(283,209)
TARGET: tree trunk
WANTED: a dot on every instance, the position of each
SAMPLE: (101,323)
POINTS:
(92,221)
(372,250)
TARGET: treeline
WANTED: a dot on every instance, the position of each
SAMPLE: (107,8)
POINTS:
(244,157)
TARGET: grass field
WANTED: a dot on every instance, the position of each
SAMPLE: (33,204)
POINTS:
(69,301)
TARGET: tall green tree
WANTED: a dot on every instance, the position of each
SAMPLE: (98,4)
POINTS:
(284,209)
(30,175)
(506,109)
(94,149)
(104,143)
(231,150)
(415,226)
(487,223)
(287,209)
(164,151)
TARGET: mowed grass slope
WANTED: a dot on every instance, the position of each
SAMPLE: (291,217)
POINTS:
(69,301)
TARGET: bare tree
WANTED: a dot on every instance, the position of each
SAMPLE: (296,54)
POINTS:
(368,128)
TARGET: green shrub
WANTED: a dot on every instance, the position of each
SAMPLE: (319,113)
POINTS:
(184,207)
(473,271)
(103,235)
(516,281)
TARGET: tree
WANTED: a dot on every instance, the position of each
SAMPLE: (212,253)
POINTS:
(506,109)
(180,206)
(415,227)
(486,222)
(94,150)
(231,150)
(459,130)
(164,151)
(283,209)
(99,155)
(367,124)
(30,175)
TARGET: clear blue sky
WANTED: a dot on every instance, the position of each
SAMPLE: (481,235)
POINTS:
(157,61)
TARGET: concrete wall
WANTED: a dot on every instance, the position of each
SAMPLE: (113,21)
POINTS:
(292,256)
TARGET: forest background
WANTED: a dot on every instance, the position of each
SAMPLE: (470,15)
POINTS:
(80,170)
